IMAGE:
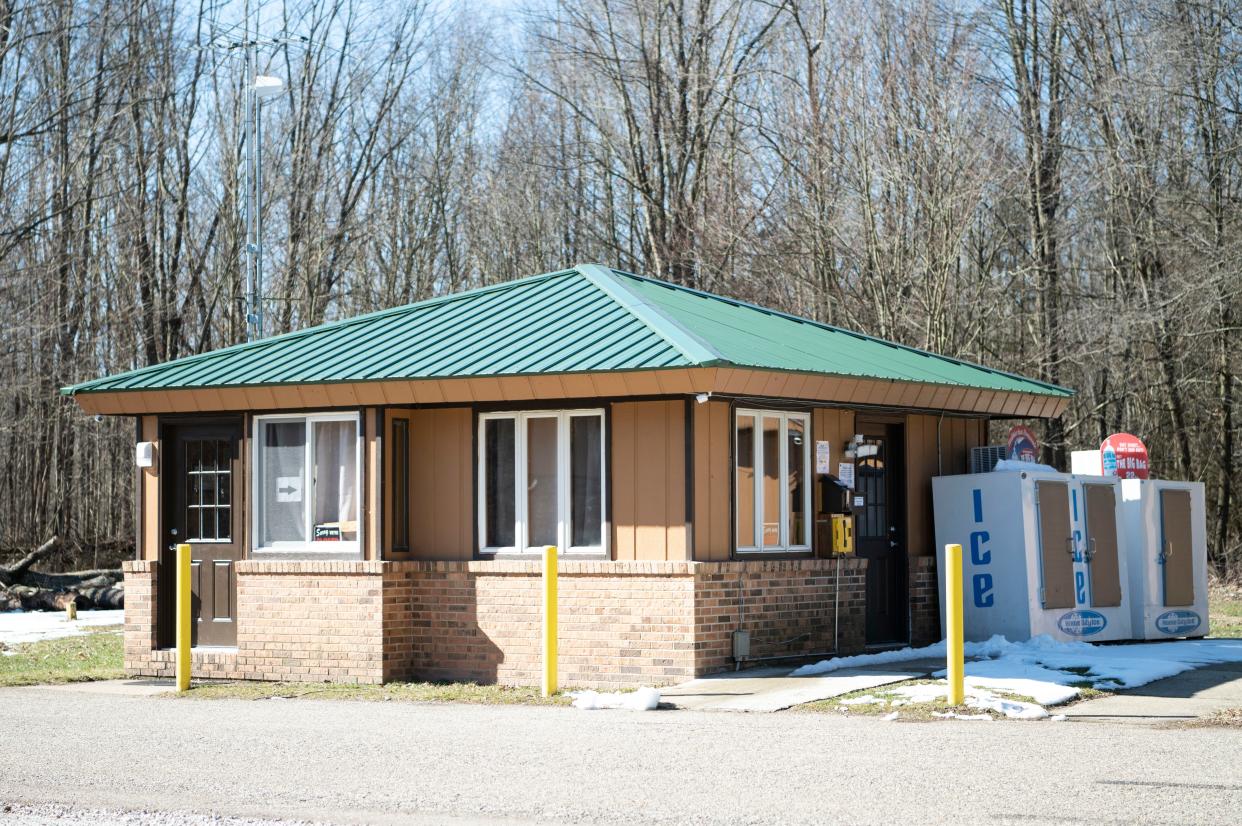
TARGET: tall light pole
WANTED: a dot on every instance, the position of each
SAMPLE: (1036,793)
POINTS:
(257,88)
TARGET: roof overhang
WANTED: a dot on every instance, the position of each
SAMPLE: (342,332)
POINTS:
(723,381)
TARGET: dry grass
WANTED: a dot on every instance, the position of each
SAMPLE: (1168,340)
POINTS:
(94,656)
(909,711)
(472,693)
(1224,609)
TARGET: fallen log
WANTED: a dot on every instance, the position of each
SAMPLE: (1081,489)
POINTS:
(14,573)
(42,599)
(73,580)
(103,598)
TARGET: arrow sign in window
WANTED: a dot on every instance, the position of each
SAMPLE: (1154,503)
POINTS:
(288,488)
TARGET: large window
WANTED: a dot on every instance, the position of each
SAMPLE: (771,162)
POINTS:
(306,483)
(541,481)
(773,488)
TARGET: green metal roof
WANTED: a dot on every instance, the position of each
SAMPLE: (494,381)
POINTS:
(587,319)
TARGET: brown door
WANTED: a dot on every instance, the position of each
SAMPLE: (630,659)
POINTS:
(878,532)
(1175,554)
(202,490)
(1056,544)
(1101,504)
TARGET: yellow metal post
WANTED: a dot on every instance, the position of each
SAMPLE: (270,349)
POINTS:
(954,637)
(183,617)
(549,621)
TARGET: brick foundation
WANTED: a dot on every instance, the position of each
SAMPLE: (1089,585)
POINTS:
(621,623)
(924,601)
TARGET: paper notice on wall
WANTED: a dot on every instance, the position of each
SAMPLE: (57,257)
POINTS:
(288,488)
(845,473)
(823,457)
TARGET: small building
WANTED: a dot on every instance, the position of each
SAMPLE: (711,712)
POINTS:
(367,500)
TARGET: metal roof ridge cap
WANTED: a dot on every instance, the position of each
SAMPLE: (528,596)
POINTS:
(737,302)
(698,351)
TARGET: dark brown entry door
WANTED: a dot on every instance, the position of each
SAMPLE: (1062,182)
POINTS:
(1056,543)
(878,533)
(202,492)
(1101,504)
(1179,580)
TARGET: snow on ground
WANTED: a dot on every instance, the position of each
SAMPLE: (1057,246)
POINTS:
(644,699)
(31,626)
(1045,669)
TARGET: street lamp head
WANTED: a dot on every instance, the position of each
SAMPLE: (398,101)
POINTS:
(266,86)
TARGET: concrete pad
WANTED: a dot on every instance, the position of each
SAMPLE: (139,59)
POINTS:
(126,688)
(1186,696)
(773,689)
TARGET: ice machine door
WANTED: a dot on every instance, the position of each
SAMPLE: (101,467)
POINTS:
(1056,544)
(1176,555)
(1101,504)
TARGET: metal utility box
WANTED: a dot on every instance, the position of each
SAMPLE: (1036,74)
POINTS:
(1040,553)
(1166,549)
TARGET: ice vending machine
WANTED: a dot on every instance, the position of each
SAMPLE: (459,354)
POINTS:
(1166,546)
(1040,553)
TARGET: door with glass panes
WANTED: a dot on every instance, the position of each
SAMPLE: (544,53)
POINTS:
(879,530)
(202,488)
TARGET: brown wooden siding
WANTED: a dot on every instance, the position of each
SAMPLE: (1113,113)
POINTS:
(441,484)
(957,436)
(372,517)
(713,497)
(649,481)
(150,481)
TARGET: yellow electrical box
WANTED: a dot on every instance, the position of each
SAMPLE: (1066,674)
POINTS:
(842,533)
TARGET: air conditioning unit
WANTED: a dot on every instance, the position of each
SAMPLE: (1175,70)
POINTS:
(984,459)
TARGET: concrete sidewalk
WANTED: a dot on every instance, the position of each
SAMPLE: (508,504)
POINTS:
(774,689)
(1186,696)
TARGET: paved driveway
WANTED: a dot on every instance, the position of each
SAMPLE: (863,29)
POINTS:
(353,762)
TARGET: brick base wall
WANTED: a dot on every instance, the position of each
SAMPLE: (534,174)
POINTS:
(621,623)
(924,601)
(790,608)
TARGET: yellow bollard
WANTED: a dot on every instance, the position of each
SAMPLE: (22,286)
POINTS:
(549,621)
(183,617)
(71,611)
(954,636)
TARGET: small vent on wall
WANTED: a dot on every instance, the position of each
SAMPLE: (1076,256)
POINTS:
(983,459)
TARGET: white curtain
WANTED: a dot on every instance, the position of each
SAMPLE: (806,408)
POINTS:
(336,474)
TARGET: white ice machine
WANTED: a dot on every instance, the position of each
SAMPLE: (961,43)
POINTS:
(1166,546)
(1040,553)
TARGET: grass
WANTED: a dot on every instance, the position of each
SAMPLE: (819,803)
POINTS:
(472,693)
(1224,610)
(95,656)
(910,711)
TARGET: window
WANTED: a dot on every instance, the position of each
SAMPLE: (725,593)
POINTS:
(541,481)
(208,484)
(306,483)
(772,459)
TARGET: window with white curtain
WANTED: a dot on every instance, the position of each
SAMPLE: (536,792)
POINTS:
(541,481)
(307,479)
(772,461)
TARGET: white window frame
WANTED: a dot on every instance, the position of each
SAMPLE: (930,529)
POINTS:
(756,546)
(308,546)
(565,496)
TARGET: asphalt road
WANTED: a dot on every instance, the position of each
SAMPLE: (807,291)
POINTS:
(357,762)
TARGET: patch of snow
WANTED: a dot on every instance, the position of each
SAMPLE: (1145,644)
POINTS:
(866,699)
(890,717)
(644,699)
(32,626)
(1057,718)
(1045,669)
